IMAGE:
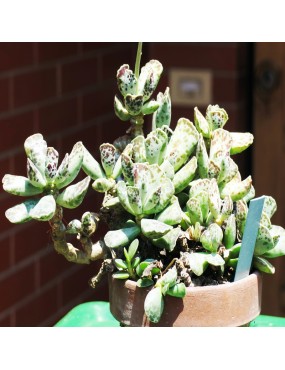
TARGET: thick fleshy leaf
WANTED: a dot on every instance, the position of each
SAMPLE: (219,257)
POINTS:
(150,107)
(144,283)
(73,195)
(44,209)
(241,215)
(168,279)
(217,117)
(89,221)
(149,77)
(120,111)
(250,195)
(185,175)
(127,168)
(178,290)
(203,199)
(270,206)
(162,116)
(240,141)
(74,227)
(109,156)
(121,275)
(202,158)
(237,190)
(199,185)
(230,232)
(212,237)
(123,196)
(182,143)
(103,185)
(168,169)
(21,212)
(19,185)
(214,170)
(120,264)
(127,82)
(228,170)
(279,248)
(215,259)
(34,175)
(168,241)
(154,305)
(75,160)
(198,263)
(117,171)
(214,199)
(171,215)
(194,211)
(135,200)
(122,237)
(265,220)
(51,164)
(134,104)
(133,248)
(166,193)
(263,265)
(36,150)
(227,207)
(264,241)
(62,171)
(201,123)
(139,153)
(234,250)
(220,145)
(154,229)
(155,148)
(91,167)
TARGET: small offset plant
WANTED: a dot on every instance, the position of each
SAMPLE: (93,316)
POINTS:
(174,200)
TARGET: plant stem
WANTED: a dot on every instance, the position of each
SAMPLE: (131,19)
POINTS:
(138,60)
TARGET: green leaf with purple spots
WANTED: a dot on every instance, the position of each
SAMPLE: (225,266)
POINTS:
(154,229)
(127,168)
(150,107)
(35,176)
(264,241)
(148,79)
(270,206)
(127,82)
(133,104)
(162,116)
(120,111)
(73,195)
(109,156)
(236,190)
(217,117)
(201,123)
(123,196)
(135,202)
(103,185)
(185,175)
(241,215)
(62,171)
(214,199)
(194,211)
(51,164)
(221,142)
(139,152)
(199,185)
(202,158)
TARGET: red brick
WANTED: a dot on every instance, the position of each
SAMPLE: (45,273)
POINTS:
(6,203)
(112,61)
(16,287)
(38,310)
(5,322)
(51,266)
(112,129)
(4,94)
(94,46)
(48,51)
(20,163)
(229,89)
(15,130)
(4,169)
(79,74)
(57,116)
(91,138)
(15,54)
(5,261)
(34,86)
(98,103)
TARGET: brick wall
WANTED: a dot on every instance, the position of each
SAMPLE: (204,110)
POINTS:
(65,91)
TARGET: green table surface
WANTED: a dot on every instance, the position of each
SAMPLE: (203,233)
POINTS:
(97,314)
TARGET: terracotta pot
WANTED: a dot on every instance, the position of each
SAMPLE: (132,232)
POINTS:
(232,304)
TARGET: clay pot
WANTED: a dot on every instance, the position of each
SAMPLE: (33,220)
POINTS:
(232,304)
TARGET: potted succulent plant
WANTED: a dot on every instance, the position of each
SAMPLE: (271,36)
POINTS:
(175,205)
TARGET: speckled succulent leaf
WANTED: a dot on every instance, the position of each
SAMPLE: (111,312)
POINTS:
(201,123)
(75,160)
(182,143)
(203,198)
(139,153)
(44,210)
(74,227)
(270,206)
(185,175)
(241,215)
(19,185)
(73,195)
(236,190)
(234,250)
(150,107)
(35,176)
(103,185)
(221,142)
(172,214)
(215,259)
(135,202)
(142,179)
(133,248)
(214,170)
(122,237)
(217,117)
(261,264)
(109,157)
(151,202)
(265,220)
(264,241)
(198,263)
(120,111)
(162,136)
(279,248)
(227,207)
(19,213)
(154,147)
(117,171)
(127,168)
(185,222)
(194,211)
(51,164)
(148,78)
(168,241)
(121,142)
(36,150)
(202,158)
(167,130)
(133,104)
(212,237)
(240,141)
(167,168)
(127,82)
(62,171)
(167,191)
(228,170)
(178,290)
(250,195)
(154,229)
(230,232)
(89,221)
(199,185)
(154,305)
(214,199)
(162,116)
(123,196)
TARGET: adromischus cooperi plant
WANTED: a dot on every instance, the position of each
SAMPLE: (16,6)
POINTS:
(174,200)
